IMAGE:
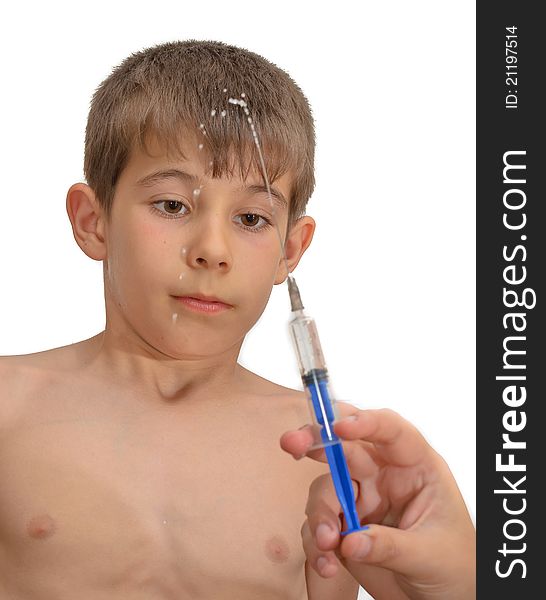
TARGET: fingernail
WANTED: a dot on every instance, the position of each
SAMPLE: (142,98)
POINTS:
(302,455)
(321,563)
(347,419)
(364,547)
(325,532)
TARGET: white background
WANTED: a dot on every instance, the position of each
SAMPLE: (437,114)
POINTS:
(390,276)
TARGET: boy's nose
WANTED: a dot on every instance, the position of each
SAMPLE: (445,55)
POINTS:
(209,248)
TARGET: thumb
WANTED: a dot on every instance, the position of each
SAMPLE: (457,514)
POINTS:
(394,549)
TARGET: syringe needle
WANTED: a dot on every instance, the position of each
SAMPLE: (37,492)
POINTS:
(294,292)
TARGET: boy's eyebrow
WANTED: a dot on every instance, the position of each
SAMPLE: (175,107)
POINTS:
(156,176)
(152,178)
(277,196)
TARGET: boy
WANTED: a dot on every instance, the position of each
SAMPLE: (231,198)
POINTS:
(143,463)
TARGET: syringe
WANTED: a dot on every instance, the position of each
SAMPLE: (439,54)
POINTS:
(315,381)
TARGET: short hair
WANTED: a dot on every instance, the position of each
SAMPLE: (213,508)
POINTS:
(176,90)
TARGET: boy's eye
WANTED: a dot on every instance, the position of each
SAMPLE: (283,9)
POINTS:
(252,221)
(170,207)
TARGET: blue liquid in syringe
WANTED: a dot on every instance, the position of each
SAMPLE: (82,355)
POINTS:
(316,381)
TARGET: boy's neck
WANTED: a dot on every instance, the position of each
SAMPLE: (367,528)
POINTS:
(134,364)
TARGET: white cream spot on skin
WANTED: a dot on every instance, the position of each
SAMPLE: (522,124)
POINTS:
(174,317)
(200,146)
(183,251)
(196,192)
(181,275)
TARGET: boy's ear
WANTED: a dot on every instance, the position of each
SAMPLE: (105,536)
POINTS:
(298,240)
(87,219)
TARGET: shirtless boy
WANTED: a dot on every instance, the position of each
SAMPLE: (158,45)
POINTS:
(144,463)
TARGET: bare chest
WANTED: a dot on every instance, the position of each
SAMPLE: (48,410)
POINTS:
(151,505)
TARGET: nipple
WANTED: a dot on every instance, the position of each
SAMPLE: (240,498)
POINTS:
(277,550)
(41,527)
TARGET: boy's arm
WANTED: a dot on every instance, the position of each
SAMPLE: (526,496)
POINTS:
(342,586)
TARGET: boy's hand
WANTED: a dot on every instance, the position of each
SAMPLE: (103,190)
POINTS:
(421,542)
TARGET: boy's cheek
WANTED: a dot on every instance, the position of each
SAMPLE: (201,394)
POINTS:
(258,285)
(134,273)
(261,266)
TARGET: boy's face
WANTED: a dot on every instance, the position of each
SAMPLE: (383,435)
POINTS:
(175,232)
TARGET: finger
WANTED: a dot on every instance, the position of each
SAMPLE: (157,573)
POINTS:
(362,457)
(297,443)
(399,550)
(323,511)
(344,409)
(325,562)
(397,441)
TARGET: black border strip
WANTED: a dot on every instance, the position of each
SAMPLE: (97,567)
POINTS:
(510,119)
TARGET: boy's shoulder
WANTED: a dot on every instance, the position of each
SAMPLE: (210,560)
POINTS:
(26,376)
(54,359)
(265,387)
(266,392)
(15,381)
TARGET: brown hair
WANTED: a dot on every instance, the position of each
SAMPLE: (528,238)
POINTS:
(179,89)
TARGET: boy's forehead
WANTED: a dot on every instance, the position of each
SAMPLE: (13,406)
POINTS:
(192,162)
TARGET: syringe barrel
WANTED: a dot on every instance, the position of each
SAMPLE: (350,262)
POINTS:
(314,375)
(307,343)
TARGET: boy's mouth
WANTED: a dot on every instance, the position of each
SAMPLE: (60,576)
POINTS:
(202,303)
